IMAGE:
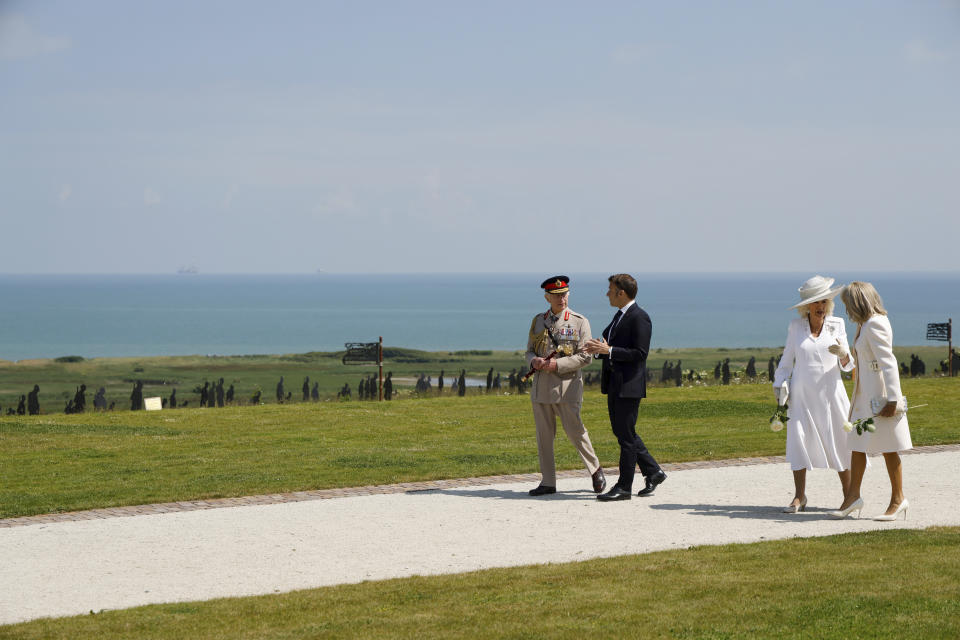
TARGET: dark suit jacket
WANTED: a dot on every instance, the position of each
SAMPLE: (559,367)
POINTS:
(625,374)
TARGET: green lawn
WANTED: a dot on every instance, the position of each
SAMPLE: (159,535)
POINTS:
(878,584)
(62,462)
(881,584)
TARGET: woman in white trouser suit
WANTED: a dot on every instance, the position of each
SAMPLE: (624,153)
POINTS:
(877,383)
(814,354)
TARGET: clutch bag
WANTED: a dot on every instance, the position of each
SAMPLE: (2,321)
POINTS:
(878,403)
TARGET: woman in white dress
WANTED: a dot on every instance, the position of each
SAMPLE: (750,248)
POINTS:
(808,380)
(876,394)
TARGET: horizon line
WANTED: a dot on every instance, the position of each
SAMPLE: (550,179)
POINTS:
(465,273)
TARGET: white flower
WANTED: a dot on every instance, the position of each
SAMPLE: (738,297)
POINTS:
(848,426)
(776,425)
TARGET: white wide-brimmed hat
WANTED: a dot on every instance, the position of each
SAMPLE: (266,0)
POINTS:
(815,289)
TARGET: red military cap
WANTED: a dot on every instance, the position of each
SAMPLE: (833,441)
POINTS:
(556,284)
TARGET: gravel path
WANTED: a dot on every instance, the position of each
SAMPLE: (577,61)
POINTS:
(67,568)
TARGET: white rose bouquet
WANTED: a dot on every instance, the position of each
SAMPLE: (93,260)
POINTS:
(779,419)
(863,425)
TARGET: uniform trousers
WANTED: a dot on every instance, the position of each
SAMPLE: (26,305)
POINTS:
(545,416)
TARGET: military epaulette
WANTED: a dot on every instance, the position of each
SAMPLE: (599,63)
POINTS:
(574,314)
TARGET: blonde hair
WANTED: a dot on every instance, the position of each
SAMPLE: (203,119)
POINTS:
(804,310)
(862,301)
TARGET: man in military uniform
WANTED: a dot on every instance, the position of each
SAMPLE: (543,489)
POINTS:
(555,351)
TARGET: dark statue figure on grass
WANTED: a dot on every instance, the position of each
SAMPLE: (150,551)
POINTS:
(80,399)
(136,396)
(33,401)
(945,364)
(100,399)
(917,366)
(388,386)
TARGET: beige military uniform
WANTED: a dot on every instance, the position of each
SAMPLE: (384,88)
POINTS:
(560,392)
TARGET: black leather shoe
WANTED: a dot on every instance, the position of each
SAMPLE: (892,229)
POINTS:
(617,493)
(652,483)
(543,490)
(599,481)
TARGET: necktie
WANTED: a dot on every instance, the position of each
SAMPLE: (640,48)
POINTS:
(613,325)
(616,320)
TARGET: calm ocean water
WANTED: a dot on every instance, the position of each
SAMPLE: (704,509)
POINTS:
(96,316)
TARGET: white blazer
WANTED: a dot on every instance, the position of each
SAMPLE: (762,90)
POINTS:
(878,376)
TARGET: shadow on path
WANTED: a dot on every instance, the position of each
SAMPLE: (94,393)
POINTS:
(750,512)
(501,494)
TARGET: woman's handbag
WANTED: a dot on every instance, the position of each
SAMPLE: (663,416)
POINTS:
(877,404)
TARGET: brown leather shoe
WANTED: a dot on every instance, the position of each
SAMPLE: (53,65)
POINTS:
(599,481)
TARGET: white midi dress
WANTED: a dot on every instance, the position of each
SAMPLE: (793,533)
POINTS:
(818,403)
(878,376)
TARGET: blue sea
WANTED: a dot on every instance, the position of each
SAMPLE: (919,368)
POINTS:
(45,316)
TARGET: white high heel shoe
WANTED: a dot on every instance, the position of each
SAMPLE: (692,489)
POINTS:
(857,506)
(793,508)
(893,516)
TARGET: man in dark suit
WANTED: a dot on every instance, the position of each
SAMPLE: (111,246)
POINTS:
(623,349)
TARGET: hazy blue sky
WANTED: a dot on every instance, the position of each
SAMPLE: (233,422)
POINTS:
(478,136)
